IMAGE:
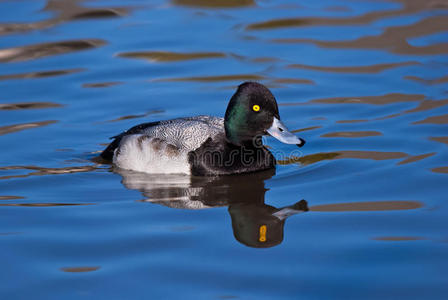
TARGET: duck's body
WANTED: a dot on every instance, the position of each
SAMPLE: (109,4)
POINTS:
(203,145)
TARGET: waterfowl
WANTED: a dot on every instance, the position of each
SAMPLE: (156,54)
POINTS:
(206,145)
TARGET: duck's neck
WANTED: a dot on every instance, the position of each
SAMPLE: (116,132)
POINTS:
(253,142)
(234,125)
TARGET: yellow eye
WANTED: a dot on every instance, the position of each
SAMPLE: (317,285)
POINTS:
(262,237)
(256,107)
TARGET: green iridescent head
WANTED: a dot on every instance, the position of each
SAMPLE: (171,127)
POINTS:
(253,111)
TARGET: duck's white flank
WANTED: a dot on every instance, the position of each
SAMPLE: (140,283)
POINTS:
(147,154)
(163,149)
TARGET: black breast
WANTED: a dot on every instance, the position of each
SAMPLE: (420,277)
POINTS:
(219,157)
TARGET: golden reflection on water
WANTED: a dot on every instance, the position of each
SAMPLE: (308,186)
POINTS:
(351,121)
(415,158)
(427,105)
(101,84)
(292,81)
(64,11)
(408,7)
(45,171)
(443,170)
(28,105)
(80,269)
(239,77)
(440,80)
(214,3)
(36,51)
(392,39)
(399,238)
(19,127)
(367,206)
(376,100)
(370,69)
(11,197)
(438,120)
(317,157)
(352,134)
(44,204)
(306,129)
(423,105)
(440,139)
(163,56)
(40,74)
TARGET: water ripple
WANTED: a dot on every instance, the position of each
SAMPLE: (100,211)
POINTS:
(63,11)
(44,204)
(393,39)
(214,3)
(40,74)
(440,139)
(443,170)
(437,120)
(352,134)
(45,171)
(28,105)
(23,126)
(164,56)
(219,78)
(80,269)
(367,206)
(36,51)
(370,69)
(416,158)
(408,7)
(344,154)
(440,80)
(376,100)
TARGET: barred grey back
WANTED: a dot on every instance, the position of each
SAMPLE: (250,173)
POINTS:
(186,133)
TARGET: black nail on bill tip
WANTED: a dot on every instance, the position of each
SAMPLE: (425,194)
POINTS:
(302,142)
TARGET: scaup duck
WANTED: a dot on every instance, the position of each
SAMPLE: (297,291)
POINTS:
(206,145)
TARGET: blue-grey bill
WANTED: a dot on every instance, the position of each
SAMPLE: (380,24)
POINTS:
(281,133)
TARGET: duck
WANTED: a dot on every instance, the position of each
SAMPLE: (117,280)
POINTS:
(206,145)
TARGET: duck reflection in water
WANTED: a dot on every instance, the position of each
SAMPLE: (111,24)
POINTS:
(254,223)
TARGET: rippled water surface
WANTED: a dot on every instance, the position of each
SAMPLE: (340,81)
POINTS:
(360,213)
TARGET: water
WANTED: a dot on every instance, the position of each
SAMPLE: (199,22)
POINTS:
(364,82)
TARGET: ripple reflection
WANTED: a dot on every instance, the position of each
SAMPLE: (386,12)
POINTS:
(19,127)
(238,78)
(80,269)
(163,56)
(40,74)
(214,3)
(28,105)
(370,69)
(36,51)
(344,154)
(38,171)
(367,206)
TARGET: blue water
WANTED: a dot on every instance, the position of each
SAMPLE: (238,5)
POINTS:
(363,82)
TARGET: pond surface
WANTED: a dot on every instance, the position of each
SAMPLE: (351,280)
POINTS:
(361,212)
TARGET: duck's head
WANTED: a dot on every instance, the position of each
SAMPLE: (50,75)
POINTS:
(253,111)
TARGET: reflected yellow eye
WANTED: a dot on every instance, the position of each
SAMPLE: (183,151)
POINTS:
(263,230)
(256,107)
